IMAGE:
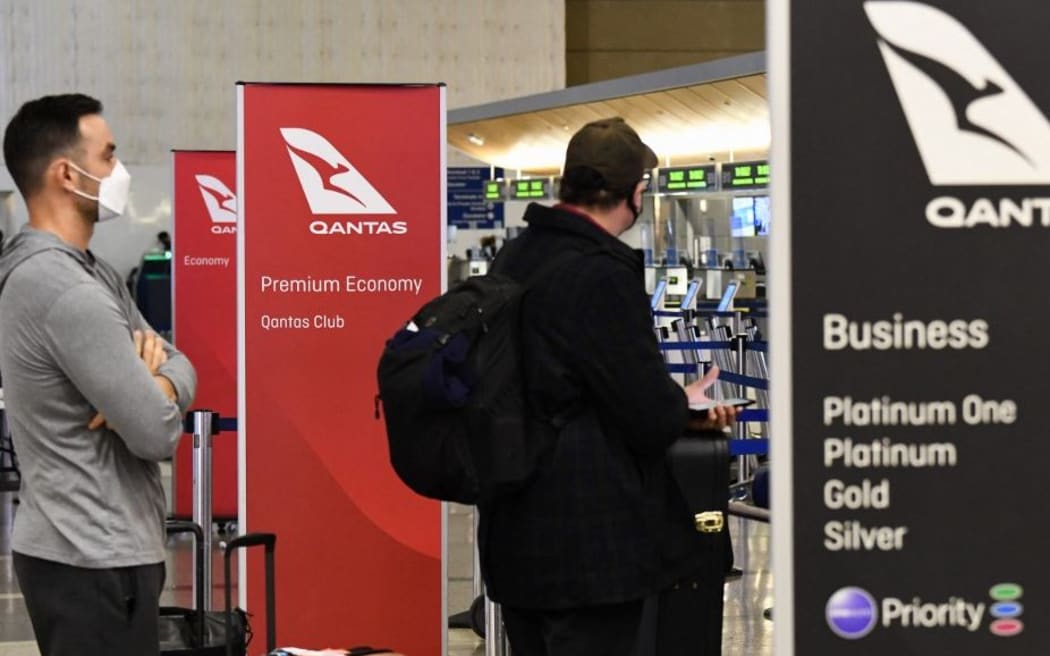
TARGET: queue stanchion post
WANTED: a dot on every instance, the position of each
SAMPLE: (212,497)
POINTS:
(740,348)
(688,355)
(479,588)
(495,635)
(204,423)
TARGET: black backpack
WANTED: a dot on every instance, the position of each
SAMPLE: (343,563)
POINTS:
(450,382)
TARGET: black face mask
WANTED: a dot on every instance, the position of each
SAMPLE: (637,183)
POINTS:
(635,210)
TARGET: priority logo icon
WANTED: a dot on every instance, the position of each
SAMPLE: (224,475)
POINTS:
(972,123)
(332,184)
(1006,610)
(852,613)
(221,204)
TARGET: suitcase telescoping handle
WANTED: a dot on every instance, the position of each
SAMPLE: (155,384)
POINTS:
(174,527)
(269,541)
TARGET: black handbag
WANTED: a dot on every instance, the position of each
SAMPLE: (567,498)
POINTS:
(700,464)
(180,632)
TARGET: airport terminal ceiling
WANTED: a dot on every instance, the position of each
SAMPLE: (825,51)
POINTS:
(716,111)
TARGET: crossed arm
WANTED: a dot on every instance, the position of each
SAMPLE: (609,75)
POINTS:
(141,386)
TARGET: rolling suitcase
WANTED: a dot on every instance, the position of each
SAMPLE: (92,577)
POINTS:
(195,632)
(686,619)
(269,542)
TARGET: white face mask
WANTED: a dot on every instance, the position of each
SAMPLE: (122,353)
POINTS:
(112,191)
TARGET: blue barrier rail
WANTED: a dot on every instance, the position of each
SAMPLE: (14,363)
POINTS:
(222,424)
(752,447)
(713,346)
(758,415)
(681,369)
(703,346)
(707,313)
(746,381)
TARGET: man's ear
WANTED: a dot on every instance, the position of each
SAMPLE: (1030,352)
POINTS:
(61,172)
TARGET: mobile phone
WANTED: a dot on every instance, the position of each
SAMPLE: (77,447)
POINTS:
(705,407)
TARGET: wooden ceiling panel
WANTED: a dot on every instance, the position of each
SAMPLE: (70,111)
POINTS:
(757,85)
(726,119)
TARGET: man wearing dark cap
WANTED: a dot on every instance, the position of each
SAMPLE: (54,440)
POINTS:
(602,525)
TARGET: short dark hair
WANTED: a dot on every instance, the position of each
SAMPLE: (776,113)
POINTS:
(40,130)
(586,187)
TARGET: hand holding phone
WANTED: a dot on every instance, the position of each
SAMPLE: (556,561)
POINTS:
(697,392)
(706,413)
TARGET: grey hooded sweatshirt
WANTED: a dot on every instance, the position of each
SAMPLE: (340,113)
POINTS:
(89,498)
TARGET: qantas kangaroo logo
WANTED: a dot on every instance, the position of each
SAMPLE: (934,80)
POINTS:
(330,182)
(972,123)
(221,203)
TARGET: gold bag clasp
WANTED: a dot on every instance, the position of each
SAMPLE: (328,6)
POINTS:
(710,522)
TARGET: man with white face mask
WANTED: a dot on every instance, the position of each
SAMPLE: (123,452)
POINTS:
(94,397)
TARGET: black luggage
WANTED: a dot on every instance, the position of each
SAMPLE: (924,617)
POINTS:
(194,632)
(686,619)
(269,542)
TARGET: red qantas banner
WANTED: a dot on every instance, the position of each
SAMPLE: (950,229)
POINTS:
(204,271)
(342,193)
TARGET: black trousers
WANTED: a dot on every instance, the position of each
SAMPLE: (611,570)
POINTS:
(77,611)
(590,631)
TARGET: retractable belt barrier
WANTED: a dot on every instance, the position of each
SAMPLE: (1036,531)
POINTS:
(750,345)
(705,314)
(754,446)
(703,346)
(746,381)
(219,424)
(760,415)
(681,368)
(727,376)
(742,447)
(742,348)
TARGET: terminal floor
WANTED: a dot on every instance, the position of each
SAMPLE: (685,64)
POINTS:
(746,633)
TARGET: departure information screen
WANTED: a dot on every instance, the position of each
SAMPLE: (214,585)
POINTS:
(687,178)
(745,175)
(494,190)
(531,189)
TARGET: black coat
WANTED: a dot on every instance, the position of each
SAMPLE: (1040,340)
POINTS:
(603,520)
